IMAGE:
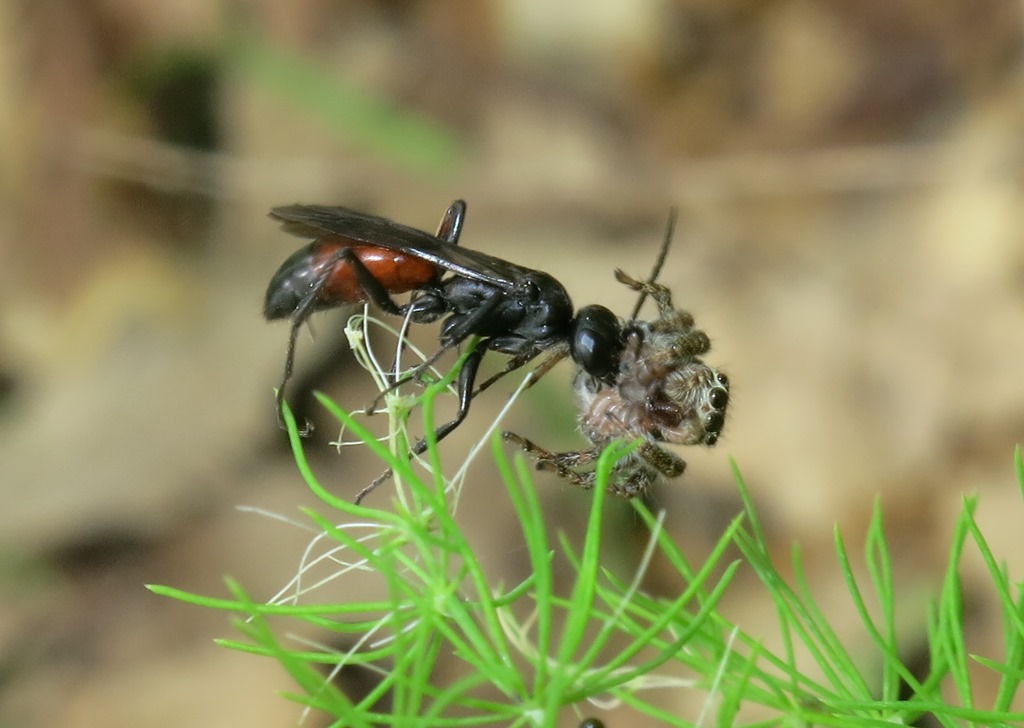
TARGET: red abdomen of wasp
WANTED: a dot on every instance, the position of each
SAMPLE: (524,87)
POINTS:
(397,272)
(297,277)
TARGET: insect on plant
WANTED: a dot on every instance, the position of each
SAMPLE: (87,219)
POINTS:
(662,393)
(356,257)
(342,268)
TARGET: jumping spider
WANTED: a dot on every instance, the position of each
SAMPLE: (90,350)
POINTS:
(663,393)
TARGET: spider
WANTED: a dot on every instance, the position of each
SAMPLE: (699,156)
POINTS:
(663,393)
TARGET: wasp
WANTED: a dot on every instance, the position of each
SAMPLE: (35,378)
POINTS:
(340,267)
(662,393)
(356,257)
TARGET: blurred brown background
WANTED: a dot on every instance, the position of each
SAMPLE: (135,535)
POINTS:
(850,183)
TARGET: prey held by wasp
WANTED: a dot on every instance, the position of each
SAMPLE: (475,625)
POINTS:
(662,393)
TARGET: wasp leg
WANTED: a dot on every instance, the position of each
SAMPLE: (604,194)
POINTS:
(547,365)
(467,378)
(450,226)
(302,312)
(428,304)
(373,289)
(556,355)
(452,338)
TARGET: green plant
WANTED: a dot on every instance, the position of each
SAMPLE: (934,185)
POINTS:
(532,651)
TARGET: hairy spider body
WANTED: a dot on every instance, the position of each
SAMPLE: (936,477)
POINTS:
(663,393)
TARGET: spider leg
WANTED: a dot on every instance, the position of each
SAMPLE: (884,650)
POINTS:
(561,463)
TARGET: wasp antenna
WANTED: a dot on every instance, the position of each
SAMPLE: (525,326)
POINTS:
(666,243)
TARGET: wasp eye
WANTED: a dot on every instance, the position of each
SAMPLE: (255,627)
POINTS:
(718,398)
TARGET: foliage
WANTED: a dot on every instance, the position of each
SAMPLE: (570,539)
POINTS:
(532,650)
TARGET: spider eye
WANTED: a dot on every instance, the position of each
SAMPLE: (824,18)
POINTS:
(714,422)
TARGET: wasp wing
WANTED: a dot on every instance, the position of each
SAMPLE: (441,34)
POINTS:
(314,221)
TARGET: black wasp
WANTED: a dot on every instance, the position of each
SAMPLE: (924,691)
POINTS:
(662,393)
(356,257)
